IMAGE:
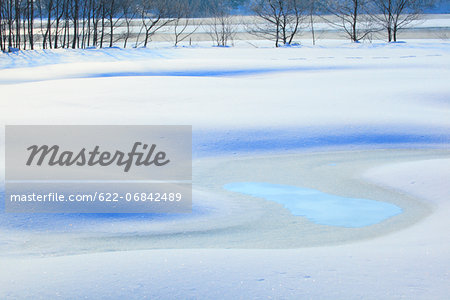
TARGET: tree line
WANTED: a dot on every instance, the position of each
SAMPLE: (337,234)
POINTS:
(357,19)
(51,24)
(87,23)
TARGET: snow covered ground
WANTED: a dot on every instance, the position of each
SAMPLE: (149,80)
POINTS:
(364,121)
(411,263)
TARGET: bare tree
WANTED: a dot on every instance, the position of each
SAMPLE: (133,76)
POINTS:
(281,19)
(114,19)
(59,13)
(154,16)
(75,10)
(312,11)
(66,21)
(84,22)
(10,18)
(96,8)
(46,6)
(183,25)
(222,29)
(394,15)
(351,16)
(129,13)
(2,27)
(30,27)
(17,14)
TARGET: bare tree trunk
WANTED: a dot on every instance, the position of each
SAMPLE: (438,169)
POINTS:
(66,30)
(103,26)
(111,24)
(127,35)
(395,33)
(389,21)
(95,31)
(129,12)
(30,14)
(2,47)
(83,27)
(10,25)
(75,24)
(32,25)
(58,18)
(355,18)
(277,38)
(17,17)
(312,10)
(146,38)
(89,8)
(48,32)
(95,20)
(25,17)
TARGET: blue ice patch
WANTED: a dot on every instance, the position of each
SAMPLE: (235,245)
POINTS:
(319,207)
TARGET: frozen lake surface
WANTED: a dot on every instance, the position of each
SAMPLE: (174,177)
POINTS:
(319,207)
